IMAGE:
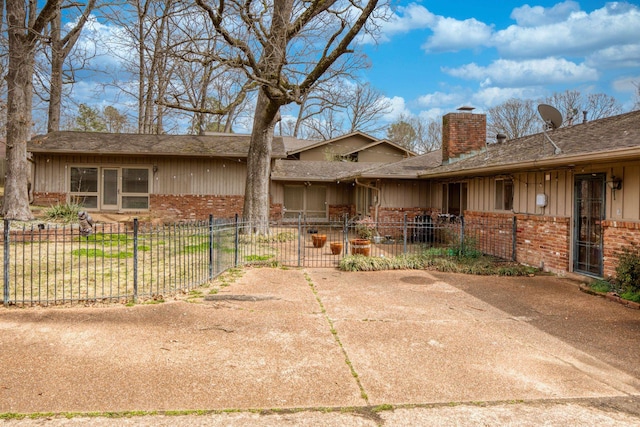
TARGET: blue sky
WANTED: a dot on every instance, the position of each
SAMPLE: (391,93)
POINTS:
(435,56)
(432,57)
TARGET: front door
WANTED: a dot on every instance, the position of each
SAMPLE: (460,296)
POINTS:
(588,216)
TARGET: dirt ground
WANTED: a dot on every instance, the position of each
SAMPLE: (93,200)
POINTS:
(322,347)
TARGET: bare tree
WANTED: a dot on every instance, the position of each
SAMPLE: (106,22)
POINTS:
(142,48)
(60,49)
(210,91)
(402,132)
(266,42)
(600,105)
(416,133)
(365,106)
(428,135)
(571,104)
(636,105)
(514,118)
(25,27)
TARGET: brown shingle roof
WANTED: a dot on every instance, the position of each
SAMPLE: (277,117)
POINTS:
(219,145)
(407,168)
(605,139)
(307,170)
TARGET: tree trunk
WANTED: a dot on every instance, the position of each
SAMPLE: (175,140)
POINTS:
(256,195)
(55,87)
(20,92)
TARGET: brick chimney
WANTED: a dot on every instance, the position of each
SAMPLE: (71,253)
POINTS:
(463,134)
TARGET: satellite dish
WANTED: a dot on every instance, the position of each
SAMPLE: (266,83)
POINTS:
(550,115)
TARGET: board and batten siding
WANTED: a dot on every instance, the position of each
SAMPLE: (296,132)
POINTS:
(337,194)
(174,176)
(410,194)
(557,185)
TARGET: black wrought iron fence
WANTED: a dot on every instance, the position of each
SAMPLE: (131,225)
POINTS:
(48,264)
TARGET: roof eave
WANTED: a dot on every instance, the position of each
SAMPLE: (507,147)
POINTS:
(621,154)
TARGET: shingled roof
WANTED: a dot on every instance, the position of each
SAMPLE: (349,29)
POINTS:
(613,138)
(307,170)
(406,169)
(219,145)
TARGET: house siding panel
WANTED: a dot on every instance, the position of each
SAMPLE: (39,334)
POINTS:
(628,199)
(177,176)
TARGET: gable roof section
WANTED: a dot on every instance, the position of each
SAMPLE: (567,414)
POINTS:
(609,139)
(317,144)
(293,145)
(408,152)
(219,145)
(307,170)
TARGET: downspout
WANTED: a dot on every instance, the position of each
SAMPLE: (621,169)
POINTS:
(377,204)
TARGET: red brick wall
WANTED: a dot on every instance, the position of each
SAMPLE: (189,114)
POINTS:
(183,207)
(618,235)
(491,232)
(462,133)
(543,241)
(395,218)
(337,212)
(49,199)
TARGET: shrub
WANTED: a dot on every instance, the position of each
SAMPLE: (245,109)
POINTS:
(67,212)
(628,271)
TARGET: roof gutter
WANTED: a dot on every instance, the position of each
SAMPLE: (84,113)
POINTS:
(622,154)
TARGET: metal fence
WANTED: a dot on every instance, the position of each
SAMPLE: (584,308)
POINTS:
(47,264)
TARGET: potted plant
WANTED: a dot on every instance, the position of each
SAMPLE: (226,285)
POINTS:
(336,248)
(318,240)
(366,228)
(360,247)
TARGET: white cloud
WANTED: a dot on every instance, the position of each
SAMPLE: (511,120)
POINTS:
(438,99)
(578,35)
(397,108)
(492,96)
(532,16)
(411,17)
(508,73)
(627,84)
(452,35)
(621,56)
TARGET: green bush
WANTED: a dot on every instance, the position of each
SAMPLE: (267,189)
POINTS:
(628,271)
(453,263)
(67,212)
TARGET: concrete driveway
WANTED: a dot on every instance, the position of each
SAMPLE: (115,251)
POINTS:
(392,348)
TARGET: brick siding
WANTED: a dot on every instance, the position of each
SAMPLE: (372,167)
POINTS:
(543,241)
(49,199)
(188,207)
(618,235)
(337,212)
(463,133)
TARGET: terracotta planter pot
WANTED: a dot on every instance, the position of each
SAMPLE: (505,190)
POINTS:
(336,248)
(360,247)
(319,240)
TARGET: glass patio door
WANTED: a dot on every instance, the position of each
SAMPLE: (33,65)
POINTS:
(110,188)
(588,216)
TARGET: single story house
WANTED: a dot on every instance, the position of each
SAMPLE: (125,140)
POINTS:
(192,176)
(573,191)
